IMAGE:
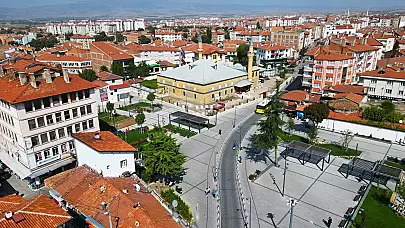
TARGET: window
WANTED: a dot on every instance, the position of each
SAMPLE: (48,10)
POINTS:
(123,163)
(402,83)
(73,97)
(47,154)
(174,91)
(38,104)
(317,85)
(389,82)
(318,78)
(88,107)
(400,92)
(108,166)
(58,117)
(91,124)
(65,98)
(52,135)
(63,147)
(41,121)
(55,100)
(329,71)
(55,151)
(389,91)
(67,114)
(38,156)
(80,95)
(184,93)
(69,130)
(319,70)
(28,106)
(35,141)
(373,81)
(77,127)
(74,111)
(84,124)
(47,102)
(195,96)
(44,138)
(331,63)
(71,145)
(49,119)
(319,62)
(31,124)
(231,90)
(329,79)
(61,133)
(86,93)
(82,111)
(213,95)
(371,89)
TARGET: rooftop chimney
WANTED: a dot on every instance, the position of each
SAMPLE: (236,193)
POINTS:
(102,189)
(307,97)
(47,76)
(97,136)
(33,81)
(23,78)
(66,76)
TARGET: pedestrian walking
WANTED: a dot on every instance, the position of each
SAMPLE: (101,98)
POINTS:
(328,223)
(220,132)
(234,146)
(214,192)
(207,191)
(240,159)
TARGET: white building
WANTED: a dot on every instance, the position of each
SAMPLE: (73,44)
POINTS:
(72,64)
(386,84)
(104,152)
(338,29)
(168,36)
(387,40)
(40,109)
(157,53)
(84,40)
(269,53)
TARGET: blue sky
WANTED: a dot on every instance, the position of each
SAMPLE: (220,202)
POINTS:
(338,3)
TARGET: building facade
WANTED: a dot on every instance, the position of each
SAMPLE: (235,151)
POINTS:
(105,54)
(84,40)
(384,84)
(71,64)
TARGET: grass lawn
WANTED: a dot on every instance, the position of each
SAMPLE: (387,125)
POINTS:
(181,131)
(118,118)
(133,136)
(377,212)
(135,106)
(290,138)
(152,84)
(400,166)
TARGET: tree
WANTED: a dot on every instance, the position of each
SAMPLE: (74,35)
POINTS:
(317,112)
(88,74)
(140,118)
(68,35)
(258,26)
(270,127)
(110,109)
(142,69)
(207,38)
(144,40)
(241,54)
(290,125)
(227,36)
(194,38)
(162,156)
(102,36)
(312,133)
(104,68)
(374,114)
(119,37)
(44,42)
(347,137)
(388,106)
(185,35)
(151,97)
(117,68)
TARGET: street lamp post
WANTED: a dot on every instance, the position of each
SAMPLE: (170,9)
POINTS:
(271,216)
(234,118)
(285,172)
(400,122)
(292,203)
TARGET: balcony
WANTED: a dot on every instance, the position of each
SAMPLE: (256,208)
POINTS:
(306,83)
(308,69)
(307,75)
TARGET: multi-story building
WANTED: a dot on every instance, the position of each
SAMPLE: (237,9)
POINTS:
(85,27)
(105,54)
(387,40)
(168,36)
(208,51)
(384,83)
(332,69)
(72,64)
(84,40)
(338,29)
(290,38)
(156,52)
(40,108)
(269,54)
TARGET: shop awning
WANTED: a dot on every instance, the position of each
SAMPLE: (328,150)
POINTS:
(243,83)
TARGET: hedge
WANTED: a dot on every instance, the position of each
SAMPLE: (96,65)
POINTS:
(182,208)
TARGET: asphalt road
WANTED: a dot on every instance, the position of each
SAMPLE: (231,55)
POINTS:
(231,215)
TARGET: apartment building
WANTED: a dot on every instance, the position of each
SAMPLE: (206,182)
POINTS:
(232,45)
(84,40)
(156,52)
(384,84)
(330,30)
(40,108)
(269,54)
(332,69)
(387,40)
(168,36)
(105,54)
(289,38)
(72,64)
(190,53)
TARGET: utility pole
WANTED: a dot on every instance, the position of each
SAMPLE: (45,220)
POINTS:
(285,172)
(292,203)
(234,118)
(271,216)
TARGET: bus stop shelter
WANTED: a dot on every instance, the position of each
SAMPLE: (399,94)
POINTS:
(370,171)
(307,153)
(189,119)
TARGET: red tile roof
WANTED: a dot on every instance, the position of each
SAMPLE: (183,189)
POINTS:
(237,42)
(126,84)
(271,47)
(57,58)
(39,212)
(345,116)
(362,48)
(107,76)
(348,26)
(81,188)
(332,56)
(179,43)
(81,37)
(300,95)
(346,89)
(391,61)
(351,96)
(13,92)
(100,84)
(384,74)
(112,51)
(108,142)
(207,49)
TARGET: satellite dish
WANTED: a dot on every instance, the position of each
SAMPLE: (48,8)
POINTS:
(28,143)
(137,187)
(175,203)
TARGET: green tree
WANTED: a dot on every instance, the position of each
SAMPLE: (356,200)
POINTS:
(104,68)
(317,112)
(162,156)
(119,37)
(117,68)
(258,26)
(290,125)
(270,126)
(110,109)
(393,117)
(144,40)
(207,37)
(388,106)
(102,36)
(68,35)
(194,38)
(241,54)
(44,42)
(185,35)
(227,36)
(312,133)
(142,69)
(374,114)
(140,118)
(151,97)
(151,29)
(88,74)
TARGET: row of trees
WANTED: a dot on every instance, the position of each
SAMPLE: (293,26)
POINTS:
(385,112)
(44,42)
(205,37)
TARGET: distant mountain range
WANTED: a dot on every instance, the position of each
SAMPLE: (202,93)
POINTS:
(148,9)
